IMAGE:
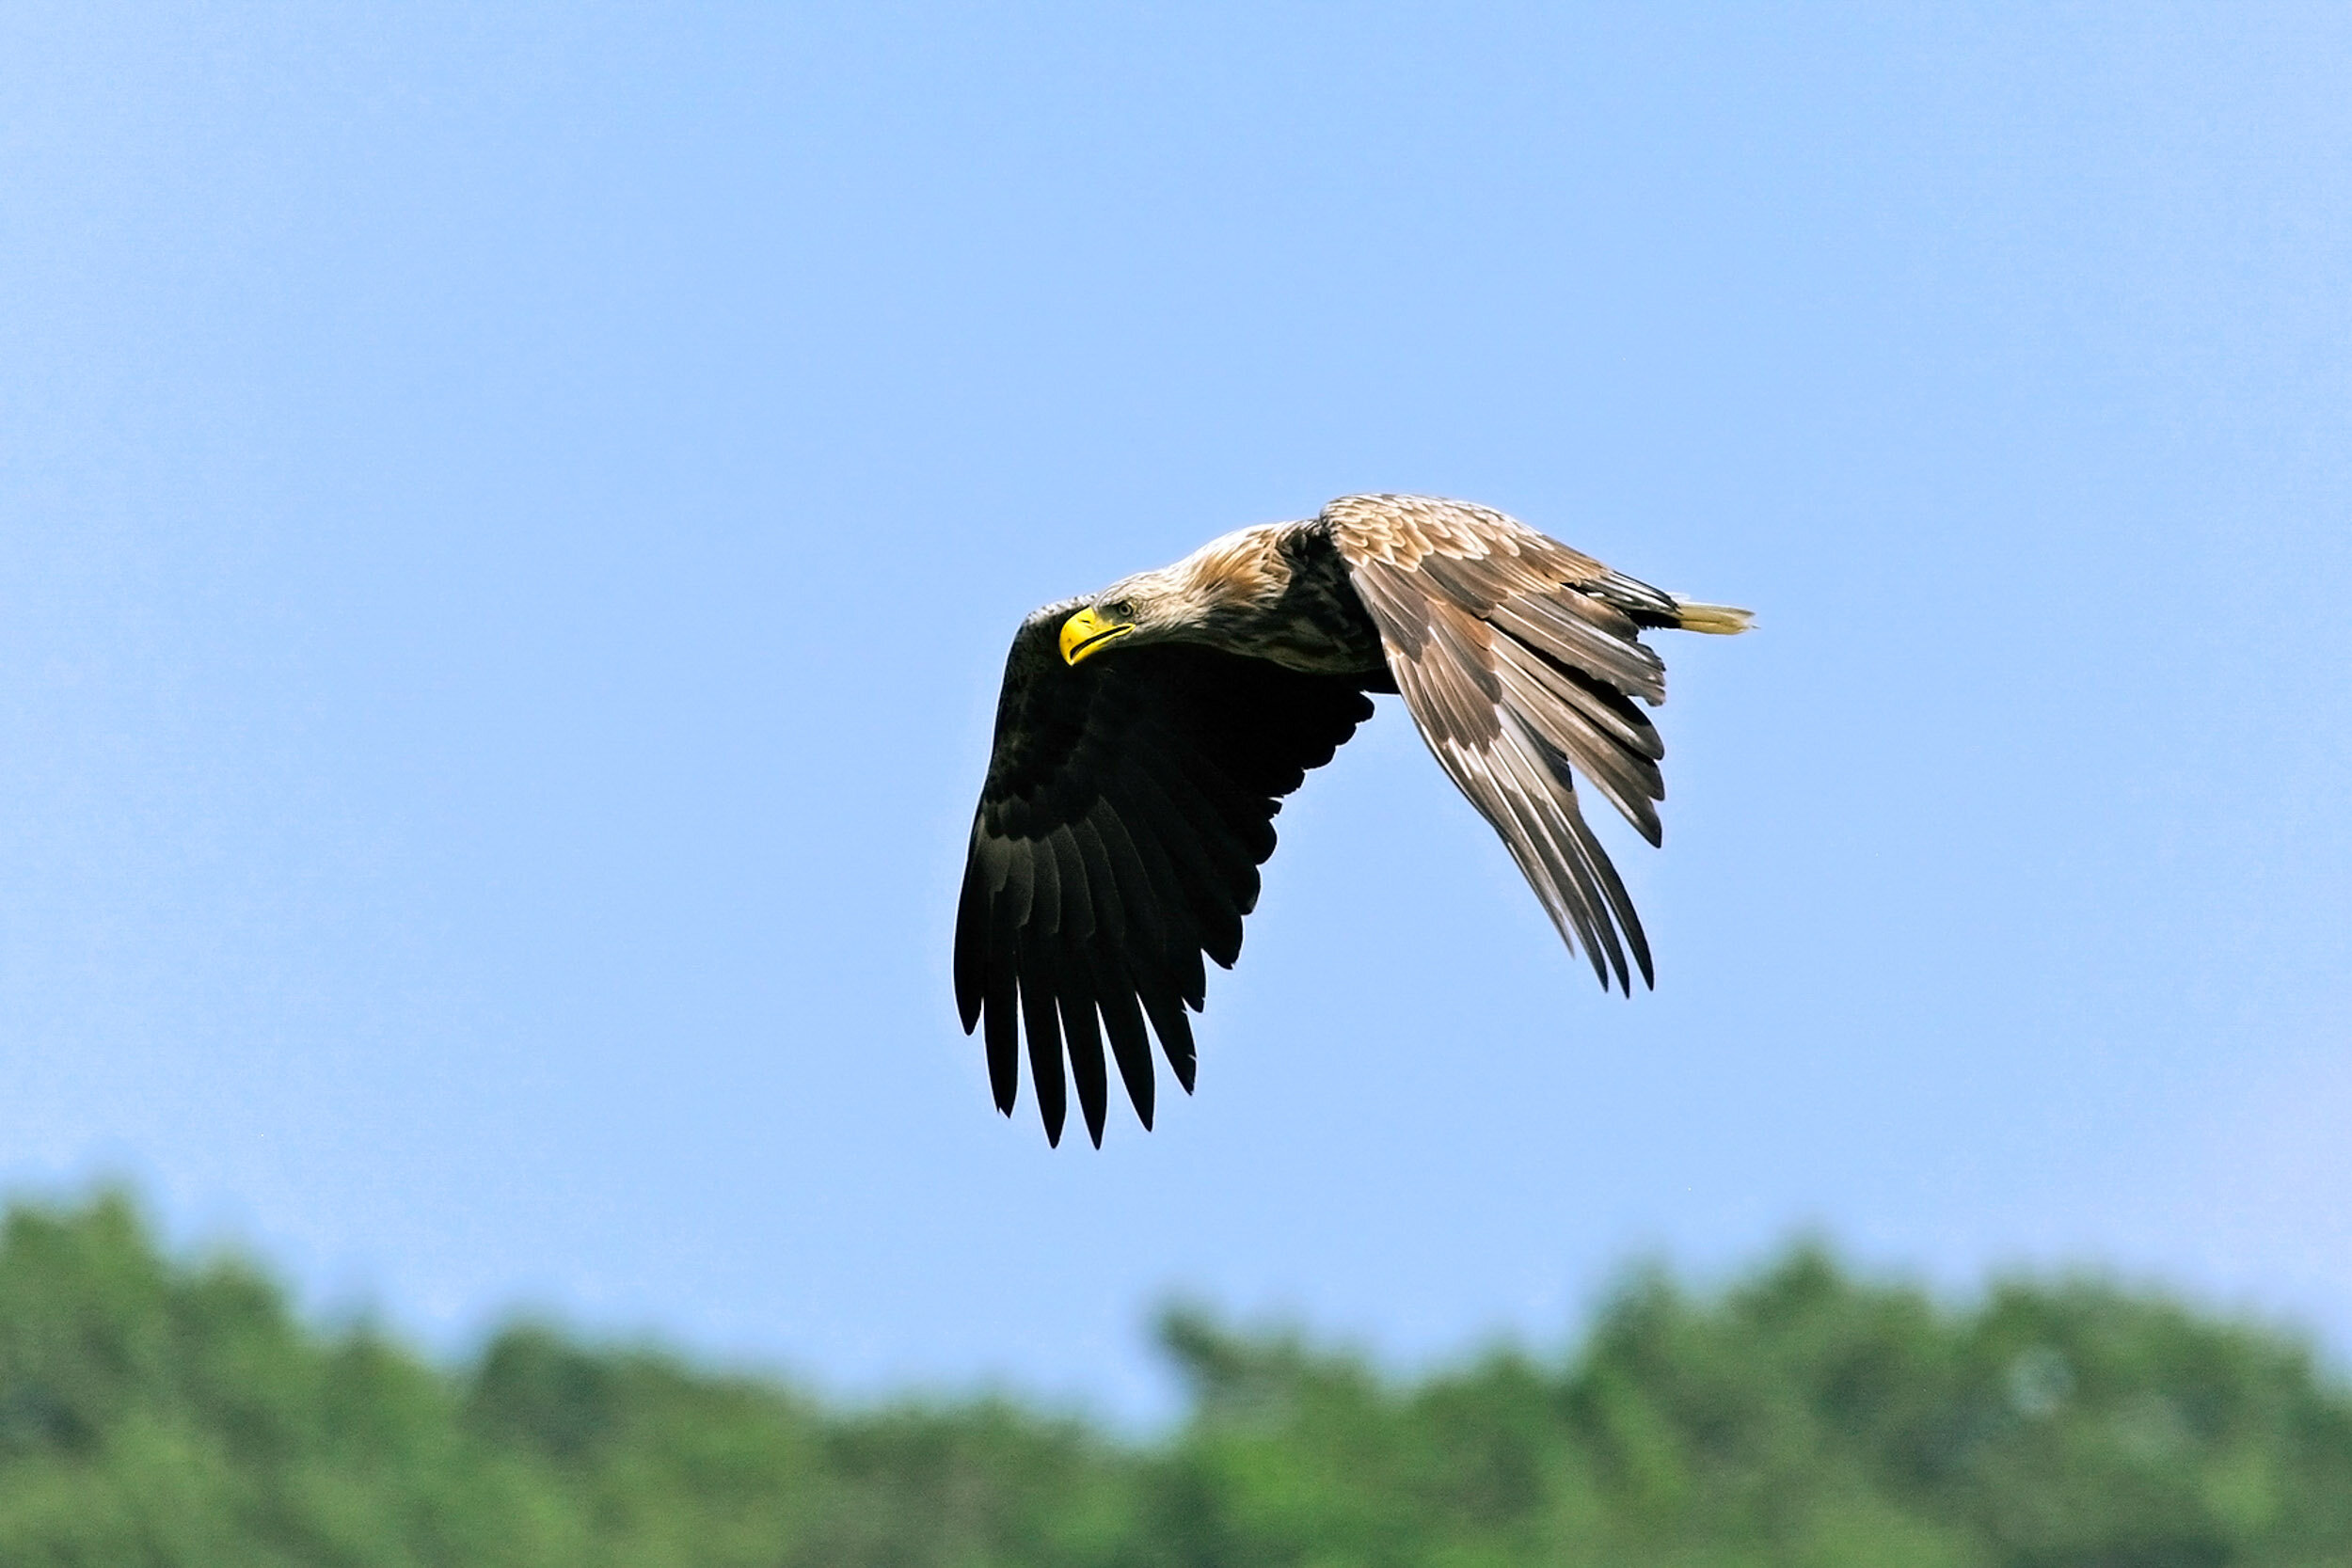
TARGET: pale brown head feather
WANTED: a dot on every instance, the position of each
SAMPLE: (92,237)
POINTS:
(1222,585)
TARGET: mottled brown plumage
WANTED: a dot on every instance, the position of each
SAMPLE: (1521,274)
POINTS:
(1146,735)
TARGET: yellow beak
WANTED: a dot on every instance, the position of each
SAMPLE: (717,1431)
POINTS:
(1086,631)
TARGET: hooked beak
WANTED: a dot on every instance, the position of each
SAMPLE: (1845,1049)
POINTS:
(1086,631)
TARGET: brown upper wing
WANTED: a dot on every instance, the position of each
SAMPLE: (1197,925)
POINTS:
(1519,658)
(1128,805)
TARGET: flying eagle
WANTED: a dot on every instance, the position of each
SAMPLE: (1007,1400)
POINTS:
(1146,735)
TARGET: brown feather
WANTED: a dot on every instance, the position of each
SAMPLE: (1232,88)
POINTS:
(1517,658)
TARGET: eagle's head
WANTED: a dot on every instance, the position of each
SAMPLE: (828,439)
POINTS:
(1207,597)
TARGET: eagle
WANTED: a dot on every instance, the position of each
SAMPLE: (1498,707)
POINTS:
(1146,735)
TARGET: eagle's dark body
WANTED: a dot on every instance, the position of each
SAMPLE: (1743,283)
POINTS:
(1146,735)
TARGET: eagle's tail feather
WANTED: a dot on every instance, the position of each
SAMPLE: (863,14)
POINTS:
(1722,620)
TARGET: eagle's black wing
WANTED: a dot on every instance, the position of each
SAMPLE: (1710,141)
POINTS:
(1128,805)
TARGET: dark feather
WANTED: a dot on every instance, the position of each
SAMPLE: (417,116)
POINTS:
(1128,805)
(1042,1022)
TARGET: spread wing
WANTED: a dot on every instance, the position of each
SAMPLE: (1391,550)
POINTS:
(1519,658)
(1128,805)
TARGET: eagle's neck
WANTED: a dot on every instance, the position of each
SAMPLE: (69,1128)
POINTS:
(1279,591)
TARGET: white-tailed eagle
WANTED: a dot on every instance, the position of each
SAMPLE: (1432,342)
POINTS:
(1146,735)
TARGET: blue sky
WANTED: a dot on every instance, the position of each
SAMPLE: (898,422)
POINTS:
(509,518)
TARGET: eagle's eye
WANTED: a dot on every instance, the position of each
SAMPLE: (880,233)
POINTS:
(1118,609)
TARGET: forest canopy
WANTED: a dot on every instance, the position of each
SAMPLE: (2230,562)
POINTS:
(161,1410)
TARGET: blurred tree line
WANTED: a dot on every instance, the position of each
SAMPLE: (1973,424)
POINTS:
(159,1412)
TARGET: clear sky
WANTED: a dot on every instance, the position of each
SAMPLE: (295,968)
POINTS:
(510,518)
